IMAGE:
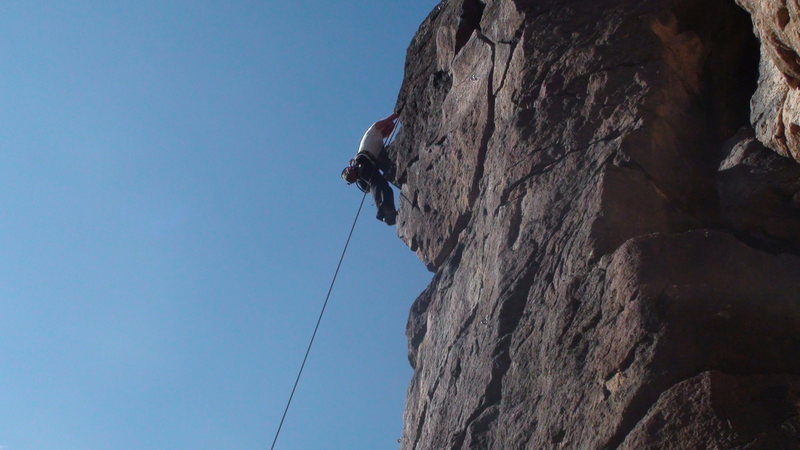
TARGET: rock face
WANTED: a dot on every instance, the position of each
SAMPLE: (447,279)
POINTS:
(615,254)
(776,105)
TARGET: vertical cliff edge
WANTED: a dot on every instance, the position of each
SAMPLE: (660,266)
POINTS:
(615,246)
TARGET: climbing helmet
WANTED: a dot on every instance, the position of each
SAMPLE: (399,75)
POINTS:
(350,173)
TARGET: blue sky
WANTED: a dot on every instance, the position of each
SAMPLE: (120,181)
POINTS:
(171,214)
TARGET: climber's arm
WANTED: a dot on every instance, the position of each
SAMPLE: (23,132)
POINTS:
(385,126)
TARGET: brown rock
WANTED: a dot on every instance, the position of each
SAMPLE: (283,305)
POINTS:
(776,104)
(756,189)
(594,239)
(717,410)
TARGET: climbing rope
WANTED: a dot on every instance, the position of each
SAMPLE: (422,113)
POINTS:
(391,137)
(319,319)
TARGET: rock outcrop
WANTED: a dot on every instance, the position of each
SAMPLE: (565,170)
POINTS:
(615,254)
(776,104)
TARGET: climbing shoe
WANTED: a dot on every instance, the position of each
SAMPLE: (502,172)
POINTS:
(390,217)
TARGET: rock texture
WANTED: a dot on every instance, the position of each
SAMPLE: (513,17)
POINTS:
(776,105)
(615,254)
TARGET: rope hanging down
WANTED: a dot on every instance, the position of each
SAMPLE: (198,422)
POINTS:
(319,319)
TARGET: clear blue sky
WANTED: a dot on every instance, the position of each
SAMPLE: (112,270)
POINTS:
(171,214)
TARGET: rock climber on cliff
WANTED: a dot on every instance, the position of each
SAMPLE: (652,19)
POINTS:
(371,168)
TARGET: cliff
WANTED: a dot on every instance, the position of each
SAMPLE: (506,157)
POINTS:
(615,246)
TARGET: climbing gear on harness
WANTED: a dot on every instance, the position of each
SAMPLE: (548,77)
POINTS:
(352,174)
(362,185)
(365,155)
(359,171)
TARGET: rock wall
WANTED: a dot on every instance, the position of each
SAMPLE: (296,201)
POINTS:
(615,254)
(776,105)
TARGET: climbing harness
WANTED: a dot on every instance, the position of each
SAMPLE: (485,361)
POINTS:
(319,319)
(362,185)
(359,177)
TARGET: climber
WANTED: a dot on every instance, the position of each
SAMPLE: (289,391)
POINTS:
(371,168)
